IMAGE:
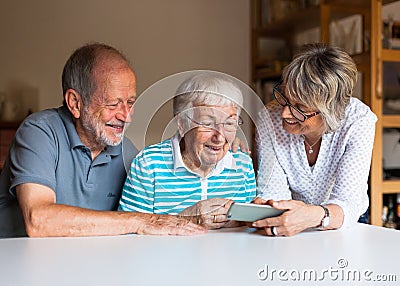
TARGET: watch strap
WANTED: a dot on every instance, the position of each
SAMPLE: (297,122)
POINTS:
(325,218)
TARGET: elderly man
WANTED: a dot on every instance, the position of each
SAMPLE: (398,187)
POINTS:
(65,169)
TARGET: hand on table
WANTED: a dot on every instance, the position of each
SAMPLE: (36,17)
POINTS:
(169,225)
(210,213)
(298,217)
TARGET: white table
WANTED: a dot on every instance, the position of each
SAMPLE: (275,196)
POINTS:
(223,257)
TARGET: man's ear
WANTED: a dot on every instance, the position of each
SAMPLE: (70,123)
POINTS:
(74,102)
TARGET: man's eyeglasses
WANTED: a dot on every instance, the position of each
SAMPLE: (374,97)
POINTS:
(282,100)
(229,125)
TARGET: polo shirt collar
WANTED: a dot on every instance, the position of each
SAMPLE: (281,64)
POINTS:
(73,136)
(227,161)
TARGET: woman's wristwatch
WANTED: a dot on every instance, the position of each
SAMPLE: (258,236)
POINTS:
(326,219)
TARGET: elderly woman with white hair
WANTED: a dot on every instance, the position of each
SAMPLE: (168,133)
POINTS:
(194,174)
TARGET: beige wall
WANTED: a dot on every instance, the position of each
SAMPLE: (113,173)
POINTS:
(161,37)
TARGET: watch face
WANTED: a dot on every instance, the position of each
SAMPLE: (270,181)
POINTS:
(325,222)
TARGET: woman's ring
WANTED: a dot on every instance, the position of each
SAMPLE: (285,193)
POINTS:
(274,231)
(215,219)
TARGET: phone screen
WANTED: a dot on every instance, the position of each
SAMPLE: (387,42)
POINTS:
(251,212)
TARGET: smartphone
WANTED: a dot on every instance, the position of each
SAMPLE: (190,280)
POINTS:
(251,212)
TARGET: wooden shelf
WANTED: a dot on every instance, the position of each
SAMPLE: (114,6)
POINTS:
(267,74)
(385,2)
(308,18)
(391,186)
(355,3)
(352,3)
(299,21)
(363,61)
(295,22)
(379,186)
(390,55)
(390,121)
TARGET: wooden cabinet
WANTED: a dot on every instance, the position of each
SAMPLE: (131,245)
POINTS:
(379,56)
(286,25)
(7,132)
(267,66)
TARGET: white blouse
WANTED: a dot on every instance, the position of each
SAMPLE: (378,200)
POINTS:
(340,174)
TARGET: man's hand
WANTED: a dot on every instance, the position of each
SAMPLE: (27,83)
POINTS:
(169,225)
(209,213)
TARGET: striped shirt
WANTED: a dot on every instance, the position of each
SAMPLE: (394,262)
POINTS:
(159,182)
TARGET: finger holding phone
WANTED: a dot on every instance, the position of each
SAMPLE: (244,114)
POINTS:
(210,213)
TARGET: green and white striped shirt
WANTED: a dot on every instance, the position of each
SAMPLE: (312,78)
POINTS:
(159,182)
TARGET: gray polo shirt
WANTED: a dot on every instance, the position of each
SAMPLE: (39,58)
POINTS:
(47,150)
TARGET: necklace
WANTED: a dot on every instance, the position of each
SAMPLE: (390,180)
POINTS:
(310,151)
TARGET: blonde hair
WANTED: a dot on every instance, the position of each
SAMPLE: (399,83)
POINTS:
(323,78)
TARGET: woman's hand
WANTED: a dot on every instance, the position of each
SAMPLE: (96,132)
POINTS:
(237,143)
(210,213)
(298,217)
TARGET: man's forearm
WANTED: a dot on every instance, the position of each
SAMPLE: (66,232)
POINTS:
(44,217)
(63,220)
